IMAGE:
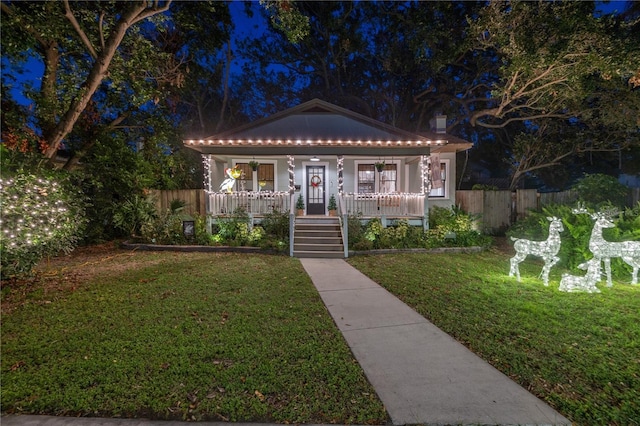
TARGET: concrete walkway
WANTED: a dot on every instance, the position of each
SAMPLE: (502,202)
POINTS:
(420,373)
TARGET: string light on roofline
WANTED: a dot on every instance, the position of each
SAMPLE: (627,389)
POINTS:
(317,142)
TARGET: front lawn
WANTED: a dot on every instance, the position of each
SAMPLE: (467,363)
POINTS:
(192,336)
(579,352)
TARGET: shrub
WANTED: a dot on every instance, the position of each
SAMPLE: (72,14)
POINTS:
(234,230)
(276,224)
(453,228)
(163,228)
(402,235)
(598,190)
(40,217)
(448,227)
(202,236)
(356,233)
(134,214)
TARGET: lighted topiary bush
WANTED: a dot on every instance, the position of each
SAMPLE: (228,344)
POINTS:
(40,217)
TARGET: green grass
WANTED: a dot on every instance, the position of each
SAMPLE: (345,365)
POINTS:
(182,336)
(579,352)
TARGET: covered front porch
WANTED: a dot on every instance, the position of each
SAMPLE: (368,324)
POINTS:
(317,157)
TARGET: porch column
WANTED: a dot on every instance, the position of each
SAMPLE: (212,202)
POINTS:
(292,183)
(424,175)
(292,190)
(206,162)
(340,177)
(426,189)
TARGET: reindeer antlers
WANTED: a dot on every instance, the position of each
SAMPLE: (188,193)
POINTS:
(606,213)
(581,209)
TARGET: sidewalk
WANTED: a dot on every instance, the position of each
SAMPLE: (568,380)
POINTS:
(421,374)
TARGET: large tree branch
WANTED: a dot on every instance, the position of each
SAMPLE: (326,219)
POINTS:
(78,29)
(101,29)
(97,73)
(156,9)
(520,119)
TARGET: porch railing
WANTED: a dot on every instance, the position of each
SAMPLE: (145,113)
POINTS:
(380,204)
(254,203)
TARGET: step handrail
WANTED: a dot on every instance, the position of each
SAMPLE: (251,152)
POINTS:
(292,222)
(344,223)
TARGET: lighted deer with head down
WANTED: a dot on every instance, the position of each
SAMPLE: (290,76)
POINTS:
(547,250)
(604,250)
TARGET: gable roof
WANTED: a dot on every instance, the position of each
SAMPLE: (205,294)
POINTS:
(320,127)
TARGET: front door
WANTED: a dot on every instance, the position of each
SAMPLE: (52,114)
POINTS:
(315,190)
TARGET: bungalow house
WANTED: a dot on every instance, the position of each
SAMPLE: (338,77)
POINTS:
(317,150)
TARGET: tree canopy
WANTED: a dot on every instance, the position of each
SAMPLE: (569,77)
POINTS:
(544,89)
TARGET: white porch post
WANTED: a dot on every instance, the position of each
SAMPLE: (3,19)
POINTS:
(206,162)
(343,212)
(292,190)
(340,174)
(292,176)
(426,189)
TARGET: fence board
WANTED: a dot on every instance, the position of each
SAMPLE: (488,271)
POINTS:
(526,199)
(194,200)
(496,217)
(562,197)
(470,201)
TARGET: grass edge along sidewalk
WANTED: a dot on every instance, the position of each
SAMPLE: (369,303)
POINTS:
(187,336)
(578,352)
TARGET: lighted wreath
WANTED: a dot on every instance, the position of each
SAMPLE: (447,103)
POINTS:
(315,181)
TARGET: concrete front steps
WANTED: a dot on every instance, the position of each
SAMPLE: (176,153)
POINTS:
(318,237)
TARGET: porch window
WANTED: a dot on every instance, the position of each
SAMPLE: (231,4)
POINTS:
(370,181)
(441,192)
(263,178)
(246,177)
(366,178)
(266,175)
(388,178)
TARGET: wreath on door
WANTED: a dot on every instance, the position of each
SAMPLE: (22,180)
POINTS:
(315,181)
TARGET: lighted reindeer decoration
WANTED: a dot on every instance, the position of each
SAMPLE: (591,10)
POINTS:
(547,250)
(604,250)
(586,283)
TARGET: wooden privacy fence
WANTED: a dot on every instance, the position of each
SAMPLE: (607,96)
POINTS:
(500,209)
(194,200)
